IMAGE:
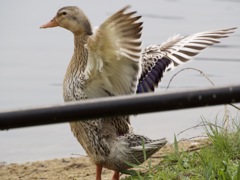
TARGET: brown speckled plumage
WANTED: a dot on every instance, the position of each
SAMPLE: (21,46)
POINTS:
(105,64)
(109,62)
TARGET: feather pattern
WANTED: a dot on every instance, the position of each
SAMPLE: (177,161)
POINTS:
(156,59)
(114,53)
(107,63)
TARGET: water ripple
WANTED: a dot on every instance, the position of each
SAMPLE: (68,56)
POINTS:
(163,17)
(217,59)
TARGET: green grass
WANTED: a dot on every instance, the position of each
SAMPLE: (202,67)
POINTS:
(219,160)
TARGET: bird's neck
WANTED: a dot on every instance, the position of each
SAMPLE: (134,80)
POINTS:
(78,62)
(80,56)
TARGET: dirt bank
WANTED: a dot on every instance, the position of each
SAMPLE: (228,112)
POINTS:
(80,168)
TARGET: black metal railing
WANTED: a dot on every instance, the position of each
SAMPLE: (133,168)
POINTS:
(115,106)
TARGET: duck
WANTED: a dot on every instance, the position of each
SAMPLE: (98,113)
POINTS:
(109,61)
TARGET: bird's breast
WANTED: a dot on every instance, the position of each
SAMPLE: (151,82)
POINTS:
(73,88)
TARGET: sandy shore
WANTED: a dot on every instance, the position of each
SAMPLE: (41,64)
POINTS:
(61,169)
(74,168)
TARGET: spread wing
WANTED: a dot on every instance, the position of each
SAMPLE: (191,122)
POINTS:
(114,53)
(156,59)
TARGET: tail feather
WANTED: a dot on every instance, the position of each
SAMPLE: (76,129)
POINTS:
(148,148)
(132,149)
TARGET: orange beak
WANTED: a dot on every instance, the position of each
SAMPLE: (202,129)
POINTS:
(50,24)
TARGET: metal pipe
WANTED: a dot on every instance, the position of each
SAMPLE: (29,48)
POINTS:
(121,105)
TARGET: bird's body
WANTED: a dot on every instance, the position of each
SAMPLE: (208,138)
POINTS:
(107,141)
(110,62)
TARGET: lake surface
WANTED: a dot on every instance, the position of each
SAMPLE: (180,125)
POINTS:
(33,63)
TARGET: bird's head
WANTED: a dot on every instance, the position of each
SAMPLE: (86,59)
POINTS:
(71,18)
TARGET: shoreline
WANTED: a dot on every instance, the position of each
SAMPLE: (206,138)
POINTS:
(78,168)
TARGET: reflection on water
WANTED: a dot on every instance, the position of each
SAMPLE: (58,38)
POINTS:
(33,63)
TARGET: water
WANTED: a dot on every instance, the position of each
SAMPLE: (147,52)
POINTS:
(33,63)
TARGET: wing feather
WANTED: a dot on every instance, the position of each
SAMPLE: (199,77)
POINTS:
(173,52)
(114,53)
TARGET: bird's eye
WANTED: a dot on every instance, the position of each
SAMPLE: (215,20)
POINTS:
(64,13)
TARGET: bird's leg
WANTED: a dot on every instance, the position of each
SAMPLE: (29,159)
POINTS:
(98,172)
(116,175)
